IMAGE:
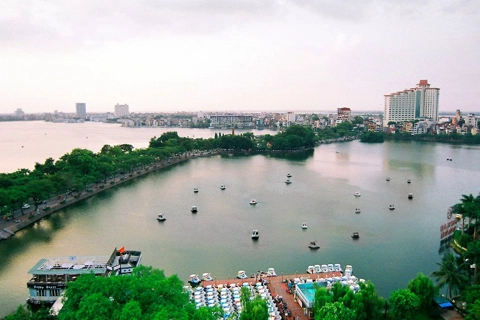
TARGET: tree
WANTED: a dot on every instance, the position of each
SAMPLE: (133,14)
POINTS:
(404,304)
(423,287)
(335,311)
(367,304)
(255,309)
(450,274)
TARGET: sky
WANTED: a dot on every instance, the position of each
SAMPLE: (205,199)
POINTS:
(235,55)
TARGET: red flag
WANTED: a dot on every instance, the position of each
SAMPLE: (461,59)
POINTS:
(121,250)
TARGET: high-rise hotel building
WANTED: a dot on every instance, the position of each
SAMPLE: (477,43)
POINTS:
(121,110)
(81,110)
(420,102)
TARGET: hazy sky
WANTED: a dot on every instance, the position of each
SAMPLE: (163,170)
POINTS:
(227,55)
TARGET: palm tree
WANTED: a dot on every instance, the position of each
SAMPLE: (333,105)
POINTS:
(471,208)
(450,274)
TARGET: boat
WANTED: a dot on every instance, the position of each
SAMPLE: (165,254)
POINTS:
(207,277)
(388,178)
(194,280)
(50,276)
(271,272)
(194,209)
(222,187)
(304,226)
(242,275)
(288,181)
(313,245)
(253,202)
(324,268)
(161,217)
(331,268)
(348,270)
(357,194)
(289,175)
(318,269)
(449,159)
(355,235)
(255,235)
(409,181)
(338,267)
(410,196)
(391,207)
(195,190)
(357,210)
(310,269)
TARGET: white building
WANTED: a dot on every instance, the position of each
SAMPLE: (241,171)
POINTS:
(121,110)
(81,110)
(420,102)
(471,120)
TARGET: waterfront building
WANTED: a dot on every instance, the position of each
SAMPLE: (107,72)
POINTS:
(81,110)
(420,102)
(121,110)
(343,114)
(19,113)
(231,120)
(471,120)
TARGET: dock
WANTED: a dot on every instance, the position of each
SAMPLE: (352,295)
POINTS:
(278,286)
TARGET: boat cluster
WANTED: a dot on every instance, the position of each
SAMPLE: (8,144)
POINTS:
(347,279)
(324,268)
(227,297)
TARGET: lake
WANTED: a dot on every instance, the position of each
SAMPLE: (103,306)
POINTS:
(394,245)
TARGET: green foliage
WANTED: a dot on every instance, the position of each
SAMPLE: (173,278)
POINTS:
(335,311)
(404,304)
(423,287)
(255,309)
(450,275)
(370,136)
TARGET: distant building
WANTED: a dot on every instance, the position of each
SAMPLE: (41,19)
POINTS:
(81,110)
(290,117)
(343,114)
(231,120)
(420,102)
(121,110)
(19,113)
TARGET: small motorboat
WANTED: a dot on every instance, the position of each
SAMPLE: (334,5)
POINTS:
(253,202)
(313,245)
(195,190)
(357,210)
(289,175)
(194,209)
(357,194)
(409,181)
(449,159)
(222,187)
(391,207)
(318,269)
(288,181)
(410,196)
(207,277)
(348,270)
(355,235)
(304,226)
(271,272)
(194,280)
(388,178)
(161,217)
(311,270)
(242,275)
(255,235)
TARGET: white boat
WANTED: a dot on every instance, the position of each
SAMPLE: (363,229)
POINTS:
(331,268)
(271,272)
(410,196)
(253,202)
(311,269)
(338,267)
(304,226)
(242,275)
(313,245)
(388,178)
(207,277)
(356,235)
(255,234)
(357,210)
(324,268)
(195,190)
(348,270)
(194,280)
(391,207)
(222,187)
(161,217)
(289,175)
(357,194)
(288,181)
(409,181)
(194,209)
(318,269)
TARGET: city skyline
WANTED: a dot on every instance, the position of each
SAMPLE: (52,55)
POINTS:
(249,56)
